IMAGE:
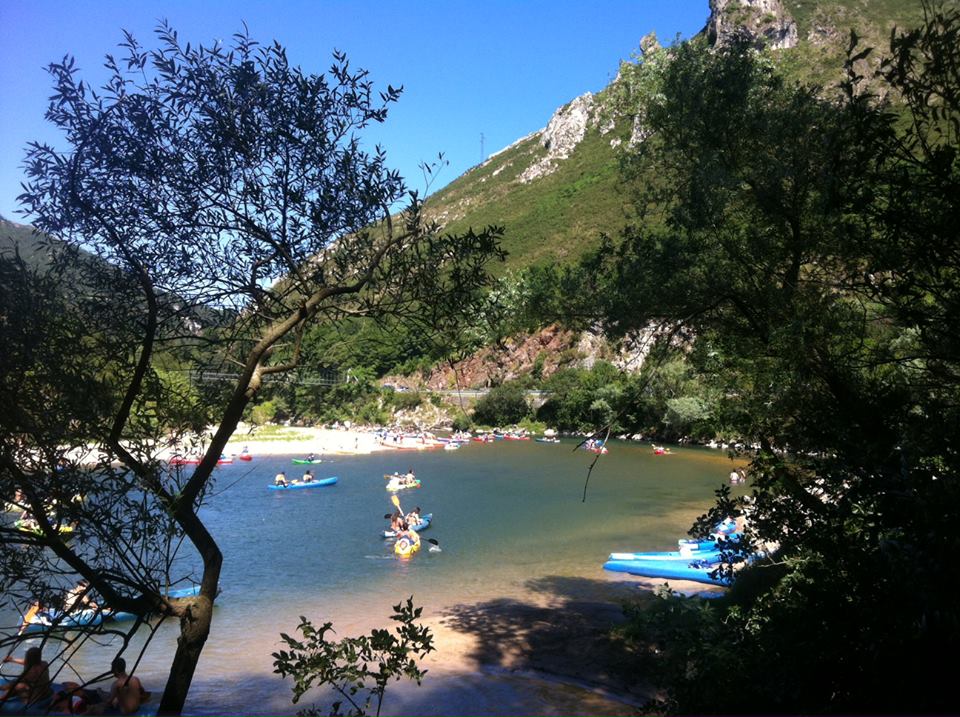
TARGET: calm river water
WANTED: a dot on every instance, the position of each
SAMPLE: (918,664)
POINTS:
(511,525)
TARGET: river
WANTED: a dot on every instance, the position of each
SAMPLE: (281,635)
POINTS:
(515,538)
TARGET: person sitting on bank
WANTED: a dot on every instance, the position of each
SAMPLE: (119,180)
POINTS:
(126,694)
(281,479)
(33,684)
(74,699)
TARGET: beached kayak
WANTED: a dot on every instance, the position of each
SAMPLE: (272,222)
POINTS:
(305,462)
(55,619)
(310,484)
(423,525)
(183,461)
(195,460)
(684,555)
(683,569)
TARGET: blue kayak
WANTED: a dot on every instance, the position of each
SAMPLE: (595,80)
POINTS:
(679,569)
(711,556)
(54,619)
(423,525)
(311,484)
(708,544)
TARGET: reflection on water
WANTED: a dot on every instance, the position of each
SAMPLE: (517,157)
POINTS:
(516,538)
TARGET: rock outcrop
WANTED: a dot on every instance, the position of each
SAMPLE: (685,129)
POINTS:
(763,22)
(561,136)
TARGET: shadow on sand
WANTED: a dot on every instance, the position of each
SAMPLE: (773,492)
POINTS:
(563,631)
(551,654)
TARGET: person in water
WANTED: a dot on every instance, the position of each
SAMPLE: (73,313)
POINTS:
(281,479)
(33,684)
(126,694)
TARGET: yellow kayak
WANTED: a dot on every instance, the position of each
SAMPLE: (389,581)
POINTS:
(406,545)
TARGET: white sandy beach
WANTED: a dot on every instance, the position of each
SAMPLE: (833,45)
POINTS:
(305,440)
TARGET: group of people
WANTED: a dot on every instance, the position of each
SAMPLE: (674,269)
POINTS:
(281,479)
(408,478)
(400,523)
(33,686)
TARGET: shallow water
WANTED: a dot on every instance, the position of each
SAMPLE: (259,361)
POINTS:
(514,533)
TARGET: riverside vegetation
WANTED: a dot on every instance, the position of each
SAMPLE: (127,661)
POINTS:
(795,244)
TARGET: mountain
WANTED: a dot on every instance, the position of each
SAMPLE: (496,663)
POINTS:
(37,250)
(556,190)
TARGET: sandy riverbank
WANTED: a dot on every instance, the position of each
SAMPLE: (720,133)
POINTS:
(303,441)
(292,441)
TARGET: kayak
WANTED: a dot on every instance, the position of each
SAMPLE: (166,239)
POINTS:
(423,525)
(192,461)
(712,556)
(680,569)
(708,544)
(405,547)
(311,484)
(548,440)
(305,462)
(394,485)
(91,617)
(31,526)
(245,457)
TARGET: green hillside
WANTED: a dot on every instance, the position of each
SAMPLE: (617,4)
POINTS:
(561,215)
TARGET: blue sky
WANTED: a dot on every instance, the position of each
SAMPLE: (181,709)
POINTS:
(468,67)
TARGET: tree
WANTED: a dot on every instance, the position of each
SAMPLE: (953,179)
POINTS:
(346,665)
(216,180)
(807,241)
(503,405)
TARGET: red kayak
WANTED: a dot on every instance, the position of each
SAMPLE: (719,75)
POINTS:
(245,457)
(181,461)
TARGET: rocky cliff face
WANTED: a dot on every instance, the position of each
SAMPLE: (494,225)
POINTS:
(764,22)
(544,353)
(561,136)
